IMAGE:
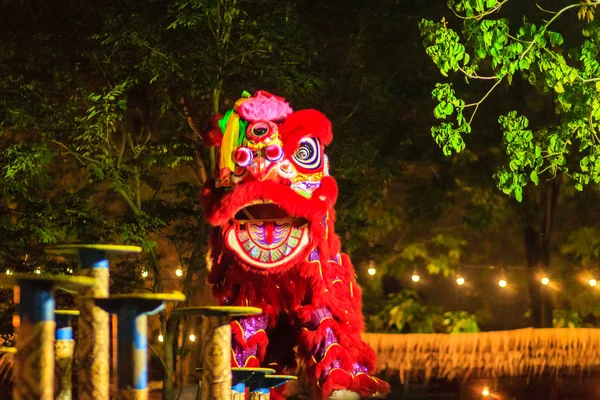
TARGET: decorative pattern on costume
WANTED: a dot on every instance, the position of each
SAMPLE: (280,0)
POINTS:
(246,350)
(273,246)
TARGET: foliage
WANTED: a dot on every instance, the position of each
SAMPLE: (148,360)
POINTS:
(405,312)
(583,245)
(496,51)
(100,124)
(566,319)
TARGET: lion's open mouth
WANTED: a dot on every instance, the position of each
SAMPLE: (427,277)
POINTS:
(264,235)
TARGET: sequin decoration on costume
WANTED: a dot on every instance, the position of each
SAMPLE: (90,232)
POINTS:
(91,353)
(34,361)
(252,325)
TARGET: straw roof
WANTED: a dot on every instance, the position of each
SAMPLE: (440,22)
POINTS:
(523,352)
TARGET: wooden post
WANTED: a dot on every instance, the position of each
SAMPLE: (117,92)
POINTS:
(216,358)
(64,346)
(34,359)
(132,312)
(92,353)
(216,381)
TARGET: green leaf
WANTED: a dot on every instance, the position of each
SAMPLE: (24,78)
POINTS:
(534,177)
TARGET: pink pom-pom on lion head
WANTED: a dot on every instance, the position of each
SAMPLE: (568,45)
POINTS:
(264,106)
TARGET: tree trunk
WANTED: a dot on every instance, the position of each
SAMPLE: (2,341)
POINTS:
(533,256)
(537,248)
(550,199)
(170,363)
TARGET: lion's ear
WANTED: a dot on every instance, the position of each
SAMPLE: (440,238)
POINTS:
(305,123)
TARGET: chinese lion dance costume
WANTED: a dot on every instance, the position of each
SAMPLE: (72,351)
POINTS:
(273,246)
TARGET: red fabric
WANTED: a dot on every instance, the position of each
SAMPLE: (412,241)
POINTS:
(291,293)
(289,298)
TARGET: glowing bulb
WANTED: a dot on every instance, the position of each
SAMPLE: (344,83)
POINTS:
(460,281)
(70,270)
(37,271)
(592,282)
(144,274)
(371,271)
(416,277)
(502,283)
(8,272)
(192,337)
(179,272)
(486,391)
(545,280)
(161,338)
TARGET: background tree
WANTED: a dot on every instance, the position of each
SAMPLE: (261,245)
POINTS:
(557,78)
(101,135)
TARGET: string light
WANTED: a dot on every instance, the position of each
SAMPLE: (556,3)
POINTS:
(179,271)
(486,391)
(38,271)
(371,271)
(502,283)
(460,281)
(144,273)
(161,338)
(592,282)
(545,280)
(8,272)
(415,277)
(70,270)
(192,337)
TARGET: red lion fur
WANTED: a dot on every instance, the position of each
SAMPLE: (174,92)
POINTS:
(290,295)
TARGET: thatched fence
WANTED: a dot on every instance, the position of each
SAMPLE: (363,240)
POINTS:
(524,352)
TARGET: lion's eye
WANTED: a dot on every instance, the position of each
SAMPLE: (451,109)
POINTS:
(308,154)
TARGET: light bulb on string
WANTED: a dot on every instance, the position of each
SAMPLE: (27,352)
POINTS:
(592,282)
(371,271)
(37,271)
(144,273)
(9,272)
(192,337)
(545,281)
(502,281)
(415,276)
(460,281)
(179,272)
(485,392)
(161,338)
